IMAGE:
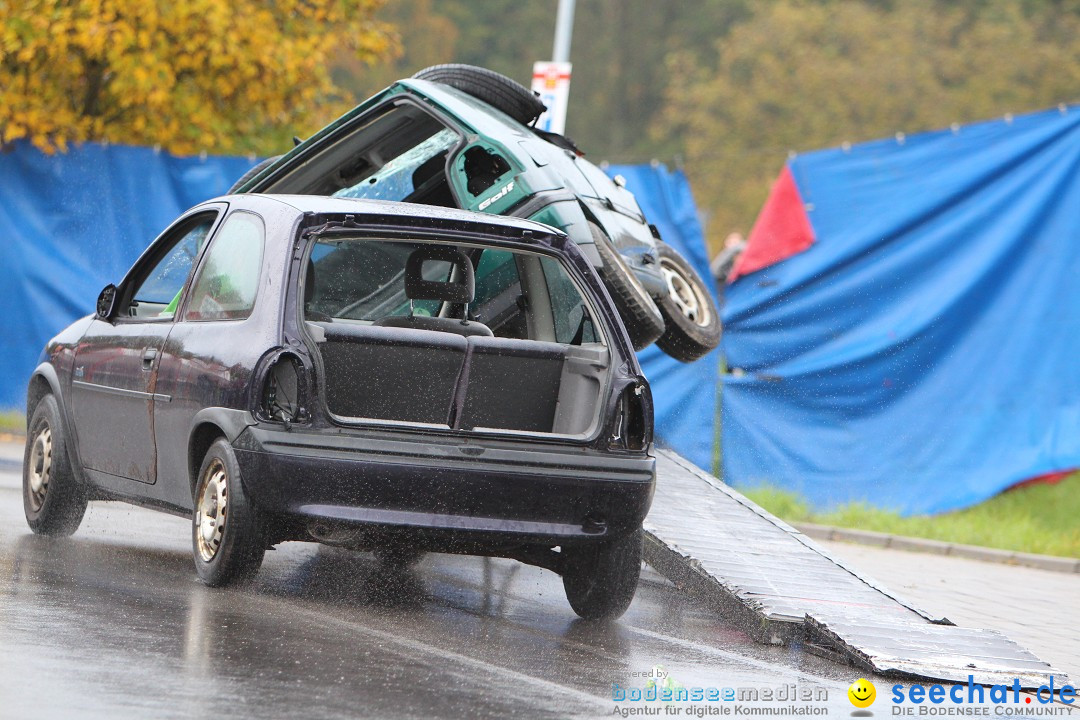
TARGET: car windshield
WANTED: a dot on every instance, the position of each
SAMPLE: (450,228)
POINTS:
(518,295)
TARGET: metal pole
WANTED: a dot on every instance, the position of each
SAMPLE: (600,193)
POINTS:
(564,30)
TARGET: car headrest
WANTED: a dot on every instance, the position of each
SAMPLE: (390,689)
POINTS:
(417,288)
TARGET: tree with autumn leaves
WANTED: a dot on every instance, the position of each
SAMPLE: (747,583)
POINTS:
(188,75)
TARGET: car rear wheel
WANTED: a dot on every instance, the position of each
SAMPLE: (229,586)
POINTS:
(496,90)
(53,500)
(643,321)
(228,533)
(600,582)
(691,319)
(259,167)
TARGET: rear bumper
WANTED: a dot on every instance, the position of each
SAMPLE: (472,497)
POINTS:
(435,490)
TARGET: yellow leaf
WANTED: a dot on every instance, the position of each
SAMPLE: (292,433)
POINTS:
(186,74)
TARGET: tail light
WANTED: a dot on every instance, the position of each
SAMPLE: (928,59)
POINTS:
(284,390)
(633,419)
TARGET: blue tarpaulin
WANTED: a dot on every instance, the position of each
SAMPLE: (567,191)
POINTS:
(684,394)
(72,223)
(921,355)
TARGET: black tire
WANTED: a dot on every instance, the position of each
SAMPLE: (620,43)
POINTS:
(259,167)
(496,90)
(53,499)
(228,533)
(691,318)
(600,581)
(643,321)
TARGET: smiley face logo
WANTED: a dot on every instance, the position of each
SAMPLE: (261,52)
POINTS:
(862,693)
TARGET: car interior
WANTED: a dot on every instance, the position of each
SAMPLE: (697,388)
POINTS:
(158,292)
(486,339)
(399,152)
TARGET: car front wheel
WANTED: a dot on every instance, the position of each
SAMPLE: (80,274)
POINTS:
(601,581)
(53,500)
(228,533)
(643,321)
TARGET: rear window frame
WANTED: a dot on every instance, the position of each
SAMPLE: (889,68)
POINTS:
(604,335)
(296,162)
(591,289)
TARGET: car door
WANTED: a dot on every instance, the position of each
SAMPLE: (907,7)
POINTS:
(486,178)
(215,343)
(113,389)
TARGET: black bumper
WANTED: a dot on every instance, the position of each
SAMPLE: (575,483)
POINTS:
(438,489)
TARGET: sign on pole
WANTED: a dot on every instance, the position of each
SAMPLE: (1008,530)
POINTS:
(551,80)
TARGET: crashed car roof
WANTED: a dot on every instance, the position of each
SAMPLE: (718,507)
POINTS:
(320,204)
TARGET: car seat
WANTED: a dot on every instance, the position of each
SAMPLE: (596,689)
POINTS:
(461,291)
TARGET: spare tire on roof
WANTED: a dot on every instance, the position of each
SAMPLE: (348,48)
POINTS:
(496,90)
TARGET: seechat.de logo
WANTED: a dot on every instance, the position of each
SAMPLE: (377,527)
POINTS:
(862,693)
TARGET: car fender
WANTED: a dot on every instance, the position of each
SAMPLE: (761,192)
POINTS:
(47,372)
(209,423)
(230,421)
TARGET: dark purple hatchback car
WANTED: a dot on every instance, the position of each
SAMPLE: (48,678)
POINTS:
(377,376)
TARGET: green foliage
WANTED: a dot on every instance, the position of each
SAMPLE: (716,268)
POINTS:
(618,52)
(12,421)
(189,75)
(800,75)
(1037,519)
(782,503)
(731,86)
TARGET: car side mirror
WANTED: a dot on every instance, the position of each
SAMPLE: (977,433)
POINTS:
(106,302)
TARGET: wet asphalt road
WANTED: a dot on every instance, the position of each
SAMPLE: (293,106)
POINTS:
(113,623)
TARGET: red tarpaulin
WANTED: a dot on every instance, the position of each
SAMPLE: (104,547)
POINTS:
(782,229)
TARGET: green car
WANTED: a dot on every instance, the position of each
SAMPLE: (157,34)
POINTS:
(462,137)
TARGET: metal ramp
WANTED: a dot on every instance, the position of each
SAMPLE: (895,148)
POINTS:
(779,586)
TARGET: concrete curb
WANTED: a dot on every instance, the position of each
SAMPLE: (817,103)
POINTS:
(937,547)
